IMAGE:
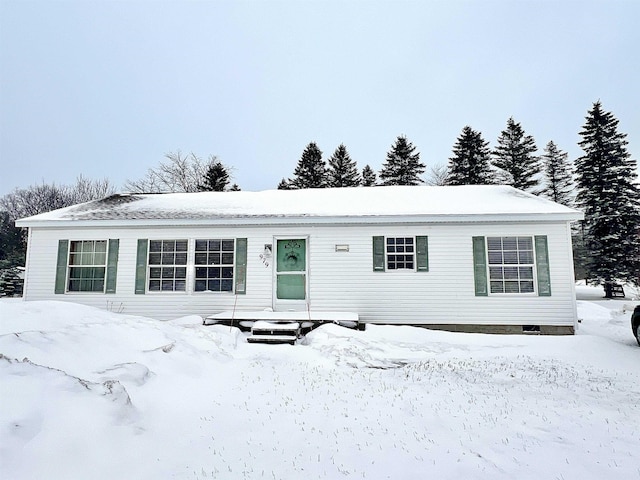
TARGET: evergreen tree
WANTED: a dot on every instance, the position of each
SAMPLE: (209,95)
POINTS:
(402,166)
(470,164)
(215,179)
(515,155)
(311,171)
(368,177)
(342,171)
(608,192)
(557,175)
(285,184)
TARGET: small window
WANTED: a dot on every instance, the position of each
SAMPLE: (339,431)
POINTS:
(400,253)
(214,260)
(167,265)
(511,263)
(87,266)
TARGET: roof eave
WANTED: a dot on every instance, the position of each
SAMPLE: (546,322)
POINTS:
(309,220)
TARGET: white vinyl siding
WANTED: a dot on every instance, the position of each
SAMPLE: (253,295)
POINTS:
(338,280)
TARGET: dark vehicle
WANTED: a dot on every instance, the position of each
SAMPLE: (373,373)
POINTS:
(635,323)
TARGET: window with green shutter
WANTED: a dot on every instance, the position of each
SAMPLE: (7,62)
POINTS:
(512,264)
(400,253)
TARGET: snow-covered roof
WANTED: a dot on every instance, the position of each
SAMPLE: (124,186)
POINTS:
(322,205)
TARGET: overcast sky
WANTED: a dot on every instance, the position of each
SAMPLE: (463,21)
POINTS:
(106,88)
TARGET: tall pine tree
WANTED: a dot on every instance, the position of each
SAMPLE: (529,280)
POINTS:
(342,171)
(558,181)
(311,171)
(608,192)
(470,164)
(368,177)
(403,166)
(515,155)
(216,178)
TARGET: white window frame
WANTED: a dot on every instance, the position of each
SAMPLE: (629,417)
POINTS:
(164,267)
(513,265)
(197,255)
(80,266)
(395,253)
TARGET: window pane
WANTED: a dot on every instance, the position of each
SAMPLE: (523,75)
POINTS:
(227,258)
(227,245)
(494,243)
(201,285)
(215,245)
(101,246)
(525,243)
(214,285)
(495,257)
(511,273)
(227,272)
(155,272)
(154,285)
(181,259)
(511,287)
(511,258)
(181,246)
(201,259)
(226,285)
(509,243)
(526,287)
(497,287)
(525,256)
(155,246)
(526,273)
(201,245)
(495,273)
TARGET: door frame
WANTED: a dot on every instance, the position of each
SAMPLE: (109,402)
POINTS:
(289,305)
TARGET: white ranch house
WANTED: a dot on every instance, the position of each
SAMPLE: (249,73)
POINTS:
(470,258)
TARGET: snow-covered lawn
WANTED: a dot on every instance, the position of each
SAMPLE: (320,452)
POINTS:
(89,394)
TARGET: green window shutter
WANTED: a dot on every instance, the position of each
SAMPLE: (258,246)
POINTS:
(112,265)
(241,266)
(422,254)
(542,266)
(61,268)
(480,267)
(141,266)
(378,254)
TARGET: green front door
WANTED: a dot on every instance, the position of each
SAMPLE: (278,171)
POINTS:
(291,269)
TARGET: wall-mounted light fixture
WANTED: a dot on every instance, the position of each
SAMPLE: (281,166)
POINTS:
(268,249)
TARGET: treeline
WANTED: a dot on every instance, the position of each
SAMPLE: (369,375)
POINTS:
(512,162)
(603,182)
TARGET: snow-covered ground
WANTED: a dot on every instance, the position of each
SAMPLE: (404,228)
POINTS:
(86,393)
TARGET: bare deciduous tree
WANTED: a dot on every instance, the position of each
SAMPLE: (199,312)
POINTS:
(438,175)
(36,199)
(178,173)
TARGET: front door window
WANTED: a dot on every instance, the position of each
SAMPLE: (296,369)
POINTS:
(291,267)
